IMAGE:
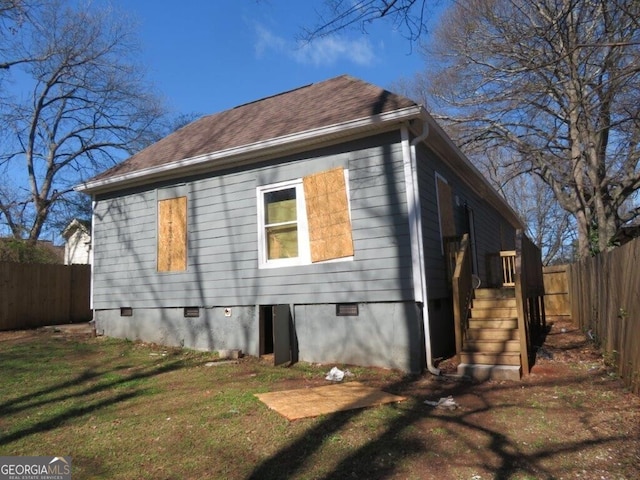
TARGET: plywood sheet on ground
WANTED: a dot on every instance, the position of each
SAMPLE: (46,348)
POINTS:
(311,402)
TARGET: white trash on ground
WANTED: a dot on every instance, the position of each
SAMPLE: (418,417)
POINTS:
(445,402)
(337,375)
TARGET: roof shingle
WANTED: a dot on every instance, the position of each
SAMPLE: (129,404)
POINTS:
(318,105)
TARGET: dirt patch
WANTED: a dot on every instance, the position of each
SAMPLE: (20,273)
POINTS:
(570,418)
(72,330)
(19,335)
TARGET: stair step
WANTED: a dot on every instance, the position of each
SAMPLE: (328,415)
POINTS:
(503,323)
(498,334)
(494,303)
(495,293)
(494,312)
(491,346)
(481,358)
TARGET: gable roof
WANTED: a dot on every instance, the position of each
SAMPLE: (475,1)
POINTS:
(75,224)
(340,101)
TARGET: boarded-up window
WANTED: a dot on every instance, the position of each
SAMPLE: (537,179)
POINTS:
(328,215)
(172,234)
(445,208)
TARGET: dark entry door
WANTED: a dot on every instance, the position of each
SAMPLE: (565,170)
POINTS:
(281,334)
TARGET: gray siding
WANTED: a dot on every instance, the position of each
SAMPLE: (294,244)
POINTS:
(487,221)
(222,238)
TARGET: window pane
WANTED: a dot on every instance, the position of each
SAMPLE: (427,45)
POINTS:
(282,242)
(280,206)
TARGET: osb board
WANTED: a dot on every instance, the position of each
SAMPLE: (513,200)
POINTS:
(172,234)
(327,206)
(311,402)
(445,204)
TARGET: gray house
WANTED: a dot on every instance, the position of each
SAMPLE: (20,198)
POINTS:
(315,224)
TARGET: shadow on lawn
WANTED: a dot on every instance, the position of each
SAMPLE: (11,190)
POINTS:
(60,393)
(382,457)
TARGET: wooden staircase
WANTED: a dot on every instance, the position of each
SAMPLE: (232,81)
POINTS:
(491,343)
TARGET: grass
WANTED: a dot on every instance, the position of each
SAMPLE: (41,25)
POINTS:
(128,410)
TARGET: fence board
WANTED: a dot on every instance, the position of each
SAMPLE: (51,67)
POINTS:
(605,301)
(34,295)
(556,291)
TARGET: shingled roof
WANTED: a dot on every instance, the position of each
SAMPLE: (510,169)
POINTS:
(332,102)
(304,118)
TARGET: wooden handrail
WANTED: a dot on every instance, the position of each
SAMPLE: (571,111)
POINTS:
(508,258)
(529,289)
(451,247)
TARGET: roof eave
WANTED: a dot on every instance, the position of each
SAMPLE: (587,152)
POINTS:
(250,153)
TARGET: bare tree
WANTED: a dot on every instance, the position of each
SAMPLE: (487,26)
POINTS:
(14,14)
(547,224)
(86,104)
(408,16)
(557,84)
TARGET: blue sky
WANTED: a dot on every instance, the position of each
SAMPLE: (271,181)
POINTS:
(208,56)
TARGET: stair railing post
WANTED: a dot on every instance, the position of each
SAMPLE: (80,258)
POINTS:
(521,302)
(462,291)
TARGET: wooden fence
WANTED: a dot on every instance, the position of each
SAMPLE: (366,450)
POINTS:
(605,303)
(556,292)
(33,295)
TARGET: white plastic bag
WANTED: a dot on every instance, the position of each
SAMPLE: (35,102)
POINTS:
(445,402)
(335,375)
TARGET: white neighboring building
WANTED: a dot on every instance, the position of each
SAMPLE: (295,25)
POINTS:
(77,247)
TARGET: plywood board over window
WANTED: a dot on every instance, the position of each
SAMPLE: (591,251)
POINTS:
(328,216)
(172,234)
(445,207)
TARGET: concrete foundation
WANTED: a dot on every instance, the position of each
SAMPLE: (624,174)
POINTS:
(385,335)
(216,328)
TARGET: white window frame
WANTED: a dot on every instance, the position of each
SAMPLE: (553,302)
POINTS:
(304,249)
(304,252)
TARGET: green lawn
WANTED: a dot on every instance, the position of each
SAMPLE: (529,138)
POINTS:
(128,410)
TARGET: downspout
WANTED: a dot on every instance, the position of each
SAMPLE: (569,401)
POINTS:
(415,231)
(91,257)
